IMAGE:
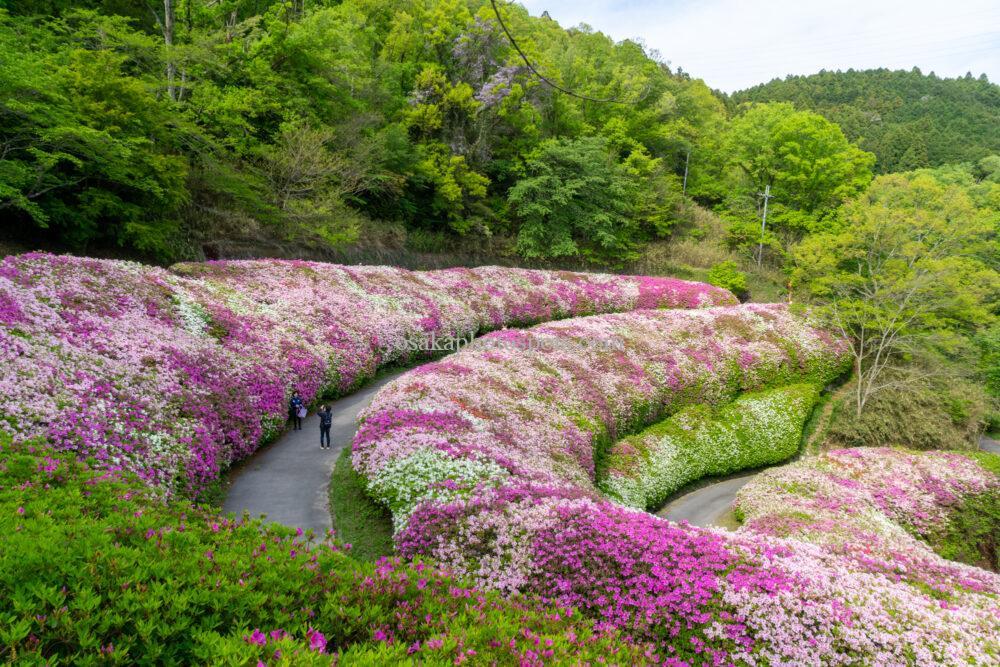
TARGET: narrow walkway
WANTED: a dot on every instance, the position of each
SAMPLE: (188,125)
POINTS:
(712,505)
(288,481)
(708,506)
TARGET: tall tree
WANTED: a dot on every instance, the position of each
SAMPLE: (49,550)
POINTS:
(904,271)
(574,201)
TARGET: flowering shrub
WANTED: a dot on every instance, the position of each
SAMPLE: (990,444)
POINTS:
(891,502)
(491,460)
(506,449)
(757,429)
(175,374)
(94,570)
(546,404)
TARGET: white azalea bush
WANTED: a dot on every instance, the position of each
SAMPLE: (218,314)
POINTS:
(757,429)
(429,475)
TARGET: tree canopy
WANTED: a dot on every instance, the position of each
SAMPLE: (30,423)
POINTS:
(909,269)
(907,119)
(161,126)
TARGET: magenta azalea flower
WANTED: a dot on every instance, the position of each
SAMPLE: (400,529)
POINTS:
(256,638)
(317,641)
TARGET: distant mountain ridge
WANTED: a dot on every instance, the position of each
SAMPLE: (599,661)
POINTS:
(907,118)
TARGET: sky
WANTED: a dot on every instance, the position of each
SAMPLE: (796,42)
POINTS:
(733,45)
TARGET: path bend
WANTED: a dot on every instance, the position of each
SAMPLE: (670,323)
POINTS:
(288,481)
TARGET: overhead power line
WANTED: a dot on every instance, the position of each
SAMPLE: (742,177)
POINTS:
(546,80)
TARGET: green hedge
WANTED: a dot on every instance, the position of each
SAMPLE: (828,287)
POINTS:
(756,429)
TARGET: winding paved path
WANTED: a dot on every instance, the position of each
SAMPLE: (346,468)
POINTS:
(708,506)
(712,505)
(288,481)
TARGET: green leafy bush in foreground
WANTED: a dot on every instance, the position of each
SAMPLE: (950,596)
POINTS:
(95,570)
(756,429)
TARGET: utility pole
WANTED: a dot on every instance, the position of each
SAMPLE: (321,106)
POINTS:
(763,225)
(687,160)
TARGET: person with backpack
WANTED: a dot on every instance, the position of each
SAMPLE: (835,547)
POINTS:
(296,410)
(325,421)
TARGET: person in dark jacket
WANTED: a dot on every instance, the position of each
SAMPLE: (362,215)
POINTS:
(325,421)
(295,408)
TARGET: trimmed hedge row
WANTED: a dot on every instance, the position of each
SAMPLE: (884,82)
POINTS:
(757,429)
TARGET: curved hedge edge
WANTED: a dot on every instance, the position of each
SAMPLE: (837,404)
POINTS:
(754,430)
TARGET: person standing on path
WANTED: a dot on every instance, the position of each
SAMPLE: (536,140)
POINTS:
(295,409)
(325,421)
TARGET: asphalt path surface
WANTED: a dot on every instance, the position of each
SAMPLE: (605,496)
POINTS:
(288,481)
(708,506)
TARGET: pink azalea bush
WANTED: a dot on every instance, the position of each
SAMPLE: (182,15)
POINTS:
(174,374)
(96,569)
(492,460)
(877,504)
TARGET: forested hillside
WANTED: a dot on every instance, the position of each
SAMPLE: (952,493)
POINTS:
(302,122)
(906,118)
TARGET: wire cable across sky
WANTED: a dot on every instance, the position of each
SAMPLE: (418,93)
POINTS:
(546,80)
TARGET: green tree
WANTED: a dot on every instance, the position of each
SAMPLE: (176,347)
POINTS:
(807,161)
(902,273)
(574,201)
(728,275)
(907,118)
(88,152)
(804,159)
(167,127)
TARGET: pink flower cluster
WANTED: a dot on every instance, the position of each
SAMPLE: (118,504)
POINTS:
(491,460)
(879,506)
(174,374)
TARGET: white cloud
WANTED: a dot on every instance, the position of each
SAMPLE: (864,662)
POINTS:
(733,44)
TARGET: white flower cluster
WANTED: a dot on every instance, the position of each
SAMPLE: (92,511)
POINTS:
(429,474)
(756,429)
(192,315)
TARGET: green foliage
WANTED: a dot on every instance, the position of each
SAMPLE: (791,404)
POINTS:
(288,125)
(944,412)
(973,532)
(907,119)
(88,152)
(988,344)
(807,161)
(727,274)
(574,201)
(809,165)
(757,429)
(909,267)
(358,520)
(97,571)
